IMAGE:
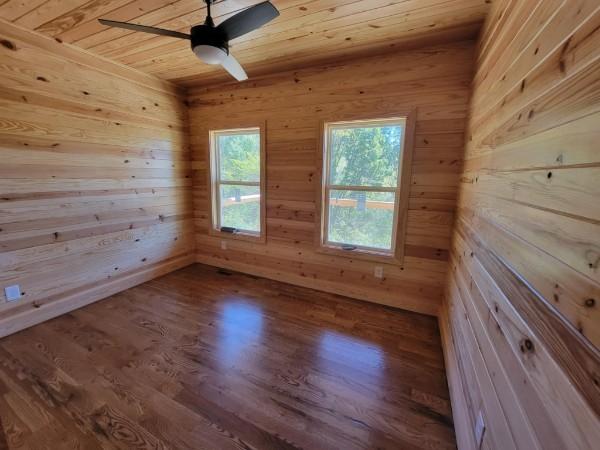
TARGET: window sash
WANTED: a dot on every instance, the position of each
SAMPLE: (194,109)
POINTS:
(216,151)
(217,182)
(239,183)
(349,187)
(327,187)
(219,201)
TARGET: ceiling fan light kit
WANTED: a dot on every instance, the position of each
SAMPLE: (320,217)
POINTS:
(210,54)
(209,43)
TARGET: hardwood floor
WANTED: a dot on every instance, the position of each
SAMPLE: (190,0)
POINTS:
(206,359)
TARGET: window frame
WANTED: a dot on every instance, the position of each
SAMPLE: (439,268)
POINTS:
(401,190)
(215,183)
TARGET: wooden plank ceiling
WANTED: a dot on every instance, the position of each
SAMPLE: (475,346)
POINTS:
(308,32)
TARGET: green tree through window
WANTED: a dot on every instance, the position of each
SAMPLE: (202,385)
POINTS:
(361,183)
(236,157)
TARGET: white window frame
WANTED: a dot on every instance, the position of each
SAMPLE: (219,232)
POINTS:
(216,182)
(401,190)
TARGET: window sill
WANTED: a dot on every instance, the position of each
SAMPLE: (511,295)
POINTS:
(240,236)
(367,255)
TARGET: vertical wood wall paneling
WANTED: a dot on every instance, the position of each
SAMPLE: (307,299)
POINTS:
(522,314)
(95,177)
(435,81)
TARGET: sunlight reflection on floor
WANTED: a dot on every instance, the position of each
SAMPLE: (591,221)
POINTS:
(352,352)
(240,327)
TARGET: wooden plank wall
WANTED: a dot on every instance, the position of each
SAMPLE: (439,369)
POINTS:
(521,324)
(95,179)
(433,80)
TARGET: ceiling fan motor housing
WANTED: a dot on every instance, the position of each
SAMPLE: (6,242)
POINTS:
(207,35)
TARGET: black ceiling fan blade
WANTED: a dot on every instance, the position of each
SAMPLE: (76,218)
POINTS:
(248,20)
(144,29)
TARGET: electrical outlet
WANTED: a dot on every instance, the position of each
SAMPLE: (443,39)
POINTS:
(479,429)
(12,293)
(223,245)
(378,272)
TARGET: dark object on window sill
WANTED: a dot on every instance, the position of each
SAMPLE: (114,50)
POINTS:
(348,247)
(229,230)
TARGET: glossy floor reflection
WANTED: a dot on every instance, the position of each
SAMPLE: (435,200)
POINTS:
(201,359)
(239,328)
(356,354)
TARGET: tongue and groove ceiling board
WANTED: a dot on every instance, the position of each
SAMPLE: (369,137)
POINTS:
(306,33)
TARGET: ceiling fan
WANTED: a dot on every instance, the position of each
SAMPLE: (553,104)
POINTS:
(210,43)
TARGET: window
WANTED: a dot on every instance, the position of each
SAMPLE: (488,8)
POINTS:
(237,182)
(363,205)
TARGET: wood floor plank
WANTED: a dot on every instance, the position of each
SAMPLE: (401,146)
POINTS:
(204,358)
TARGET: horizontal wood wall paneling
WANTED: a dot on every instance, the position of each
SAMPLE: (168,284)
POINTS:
(44,279)
(12,260)
(567,288)
(75,55)
(514,18)
(95,178)
(51,150)
(581,361)
(573,418)
(567,145)
(519,417)
(536,45)
(434,80)
(566,238)
(525,254)
(31,78)
(483,394)
(67,301)
(576,188)
(460,409)
(24,118)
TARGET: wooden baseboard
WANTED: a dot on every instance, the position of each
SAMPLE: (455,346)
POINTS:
(32,314)
(425,307)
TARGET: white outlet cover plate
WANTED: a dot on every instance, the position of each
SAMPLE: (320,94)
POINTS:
(378,272)
(223,245)
(479,429)
(12,293)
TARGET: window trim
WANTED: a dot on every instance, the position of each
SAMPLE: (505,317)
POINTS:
(214,183)
(402,188)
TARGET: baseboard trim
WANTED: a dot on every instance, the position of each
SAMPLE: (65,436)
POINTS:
(429,308)
(31,314)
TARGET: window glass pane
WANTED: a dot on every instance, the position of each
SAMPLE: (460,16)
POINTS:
(240,207)
(361,218)
(239,156)
(365,156)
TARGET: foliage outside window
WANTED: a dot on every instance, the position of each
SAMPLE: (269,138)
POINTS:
(236,180)
(361,184)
